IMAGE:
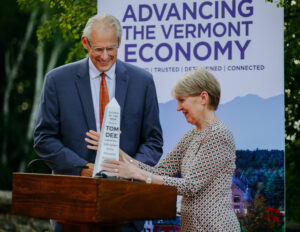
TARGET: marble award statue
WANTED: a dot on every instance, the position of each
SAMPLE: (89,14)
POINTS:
(109,136)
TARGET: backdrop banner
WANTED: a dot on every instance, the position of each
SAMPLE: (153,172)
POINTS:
(241,43)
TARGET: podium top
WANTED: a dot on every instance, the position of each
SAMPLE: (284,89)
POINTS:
(85,199)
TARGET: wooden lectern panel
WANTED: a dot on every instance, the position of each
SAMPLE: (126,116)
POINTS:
(54,196)
(139,201)
(90,200)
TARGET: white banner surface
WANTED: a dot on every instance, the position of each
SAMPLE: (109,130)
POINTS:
(241,43)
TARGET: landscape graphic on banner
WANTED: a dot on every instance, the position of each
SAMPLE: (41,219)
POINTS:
(241,43)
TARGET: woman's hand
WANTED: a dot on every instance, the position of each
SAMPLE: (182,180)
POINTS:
(124,156)
(123,169)
(93,139)
(126,170)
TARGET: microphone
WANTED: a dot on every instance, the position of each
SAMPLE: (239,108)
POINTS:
(31,164)
(102,174)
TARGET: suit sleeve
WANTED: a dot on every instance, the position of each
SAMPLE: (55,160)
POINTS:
(150,149)
(47,136)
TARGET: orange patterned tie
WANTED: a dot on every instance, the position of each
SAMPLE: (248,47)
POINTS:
(104,98)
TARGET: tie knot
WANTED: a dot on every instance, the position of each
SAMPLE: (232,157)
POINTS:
(102,75)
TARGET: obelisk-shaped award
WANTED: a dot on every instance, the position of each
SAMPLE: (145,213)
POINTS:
(109,136)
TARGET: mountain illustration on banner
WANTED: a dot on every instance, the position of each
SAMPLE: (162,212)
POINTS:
(256,123)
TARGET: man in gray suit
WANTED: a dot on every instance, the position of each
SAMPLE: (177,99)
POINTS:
(70,105)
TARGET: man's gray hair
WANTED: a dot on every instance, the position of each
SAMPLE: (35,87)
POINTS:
(106,19)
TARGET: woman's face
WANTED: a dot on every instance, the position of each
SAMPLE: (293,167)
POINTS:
(192,107)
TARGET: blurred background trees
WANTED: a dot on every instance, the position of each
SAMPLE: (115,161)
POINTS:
(292,110)
(292,104)
(38,35)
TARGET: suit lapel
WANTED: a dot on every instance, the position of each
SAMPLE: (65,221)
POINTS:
(84,90)
(122,80)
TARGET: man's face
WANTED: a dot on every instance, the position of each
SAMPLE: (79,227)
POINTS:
(102,46)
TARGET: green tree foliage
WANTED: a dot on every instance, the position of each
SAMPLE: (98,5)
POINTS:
(17,49)
(39,35)
(292,104)
(262,218)
(292,111)
(274,189)
(259,159)
(292,181)
(68,19)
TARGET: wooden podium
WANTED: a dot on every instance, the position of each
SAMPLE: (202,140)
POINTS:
(90,204)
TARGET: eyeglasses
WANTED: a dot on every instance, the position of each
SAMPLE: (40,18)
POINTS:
(100,51)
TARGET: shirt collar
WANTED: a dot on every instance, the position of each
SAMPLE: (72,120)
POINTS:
(95,73)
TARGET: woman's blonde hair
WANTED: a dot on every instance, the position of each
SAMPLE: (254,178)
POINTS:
(196,81)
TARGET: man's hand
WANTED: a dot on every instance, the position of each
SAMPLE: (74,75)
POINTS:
(87,171)
(93,139)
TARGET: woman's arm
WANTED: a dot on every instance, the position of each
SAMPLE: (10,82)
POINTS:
(126,170)
(214,160)
(168,166)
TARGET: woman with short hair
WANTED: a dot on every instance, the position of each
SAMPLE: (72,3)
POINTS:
(205,158)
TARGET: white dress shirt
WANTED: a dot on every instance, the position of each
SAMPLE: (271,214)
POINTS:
(95,80)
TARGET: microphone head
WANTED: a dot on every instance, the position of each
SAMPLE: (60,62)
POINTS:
(101,174)
(38,166)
